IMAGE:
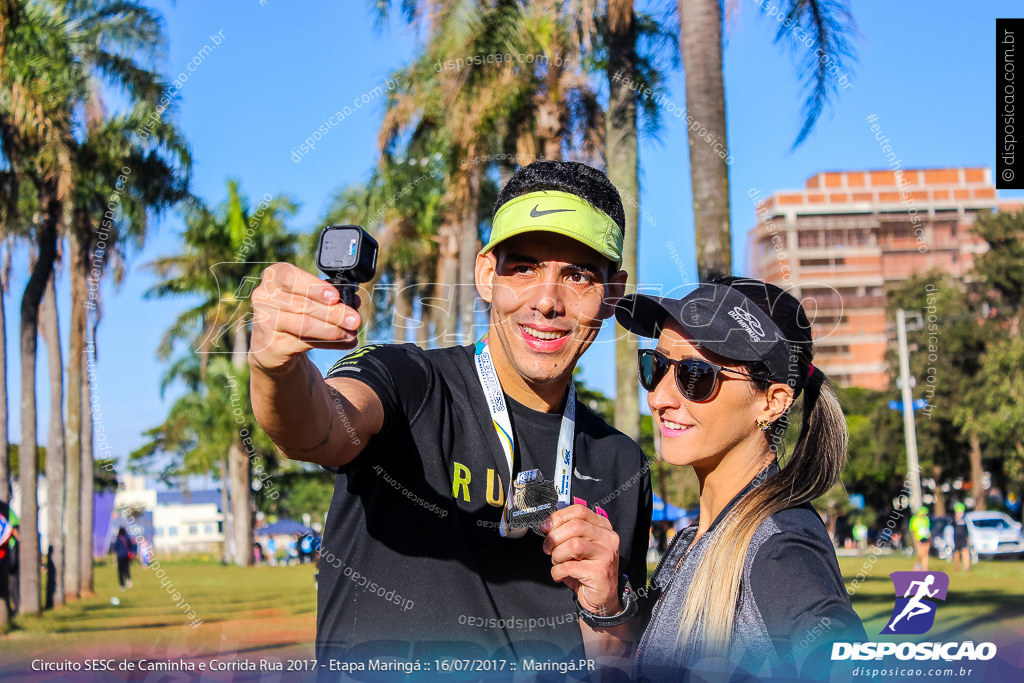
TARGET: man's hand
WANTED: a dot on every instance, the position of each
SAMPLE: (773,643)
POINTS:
(295,311)
(585,552)
(300,411)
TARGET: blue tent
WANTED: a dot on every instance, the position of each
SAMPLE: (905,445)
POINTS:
(287,527)
(666,512)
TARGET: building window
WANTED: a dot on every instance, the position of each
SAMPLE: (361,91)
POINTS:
(829,321)
(208,529)
(837,350)
(809,238)
(822,262)
(172,531)
(158,531)
(193,530)
(220,527)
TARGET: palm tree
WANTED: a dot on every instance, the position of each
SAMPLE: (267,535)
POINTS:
(545,105)
(115,41)
(38,80)
(639,52)
(401,205)
(830,26)
(623,160)
(224,254)
(49,51)
(152,149)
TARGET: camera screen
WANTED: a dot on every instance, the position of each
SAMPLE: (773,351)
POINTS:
(339,249)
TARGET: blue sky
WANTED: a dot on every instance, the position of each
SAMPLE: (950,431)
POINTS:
(926,69)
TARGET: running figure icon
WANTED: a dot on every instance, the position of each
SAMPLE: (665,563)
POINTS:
(917,596)
(915,606)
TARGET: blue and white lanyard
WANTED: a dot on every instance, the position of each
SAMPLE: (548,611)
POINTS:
(503,426)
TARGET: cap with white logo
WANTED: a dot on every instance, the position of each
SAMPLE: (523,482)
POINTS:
(722,319)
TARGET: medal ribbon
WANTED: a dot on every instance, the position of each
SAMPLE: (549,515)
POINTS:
(498,408)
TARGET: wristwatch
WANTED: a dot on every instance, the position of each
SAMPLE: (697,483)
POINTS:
(629,608)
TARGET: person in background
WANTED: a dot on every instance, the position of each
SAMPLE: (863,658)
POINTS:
(961,539)
(145,552)
(305,548)
(271,551)
(6,540)
(124,549)
(860,535)
(292,552)
(921,532)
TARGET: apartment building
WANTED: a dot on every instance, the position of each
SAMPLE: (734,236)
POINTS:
(838,242)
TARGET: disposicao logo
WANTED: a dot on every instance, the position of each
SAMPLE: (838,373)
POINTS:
(917,594)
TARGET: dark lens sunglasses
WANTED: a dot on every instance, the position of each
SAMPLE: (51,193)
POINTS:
(696,378)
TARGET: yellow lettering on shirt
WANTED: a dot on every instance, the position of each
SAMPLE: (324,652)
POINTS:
(460,479)
(491,500)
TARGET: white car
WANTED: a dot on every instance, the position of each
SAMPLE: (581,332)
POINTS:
(994,533)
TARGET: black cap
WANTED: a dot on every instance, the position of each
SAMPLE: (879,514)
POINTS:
(722,319)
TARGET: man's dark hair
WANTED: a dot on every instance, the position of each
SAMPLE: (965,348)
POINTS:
(586,182)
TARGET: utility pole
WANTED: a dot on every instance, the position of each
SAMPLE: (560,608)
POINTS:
(909,428)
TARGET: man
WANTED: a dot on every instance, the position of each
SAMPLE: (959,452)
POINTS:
(961,539)
(420,544)
(920,531)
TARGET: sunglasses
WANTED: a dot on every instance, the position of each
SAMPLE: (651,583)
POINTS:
(696,378)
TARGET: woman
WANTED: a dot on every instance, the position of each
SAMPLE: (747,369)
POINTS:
(754,584)
(124,550)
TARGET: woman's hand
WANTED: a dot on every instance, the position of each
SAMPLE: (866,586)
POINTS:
(584,550)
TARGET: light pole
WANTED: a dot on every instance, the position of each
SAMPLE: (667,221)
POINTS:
(909,429)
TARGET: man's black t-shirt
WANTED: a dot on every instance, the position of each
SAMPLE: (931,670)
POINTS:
(411,550)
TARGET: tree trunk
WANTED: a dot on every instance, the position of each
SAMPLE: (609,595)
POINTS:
(423,332)
(940,497)
(227,555)
(445,294)
(622,160)
(977,472)
(550,122)
(76,351)
(5,456)
(367,311)
(85,573)
(402,318)
(701,43)
(241,466)
(28,544)
(55,455)
(468,248)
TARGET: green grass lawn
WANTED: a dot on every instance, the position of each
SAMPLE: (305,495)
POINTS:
(271,612)
(980,604)
(263,611)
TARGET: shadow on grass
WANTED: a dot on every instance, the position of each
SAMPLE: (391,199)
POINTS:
(121,627)
(960,613)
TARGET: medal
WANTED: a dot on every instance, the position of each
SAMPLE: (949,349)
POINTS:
(531,502)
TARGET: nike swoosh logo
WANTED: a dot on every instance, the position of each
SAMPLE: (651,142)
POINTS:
(534,213)
(575,470)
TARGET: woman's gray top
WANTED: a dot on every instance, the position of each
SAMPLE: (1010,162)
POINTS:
(792,601)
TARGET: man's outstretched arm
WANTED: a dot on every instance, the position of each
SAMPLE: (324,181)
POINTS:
(308,418)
